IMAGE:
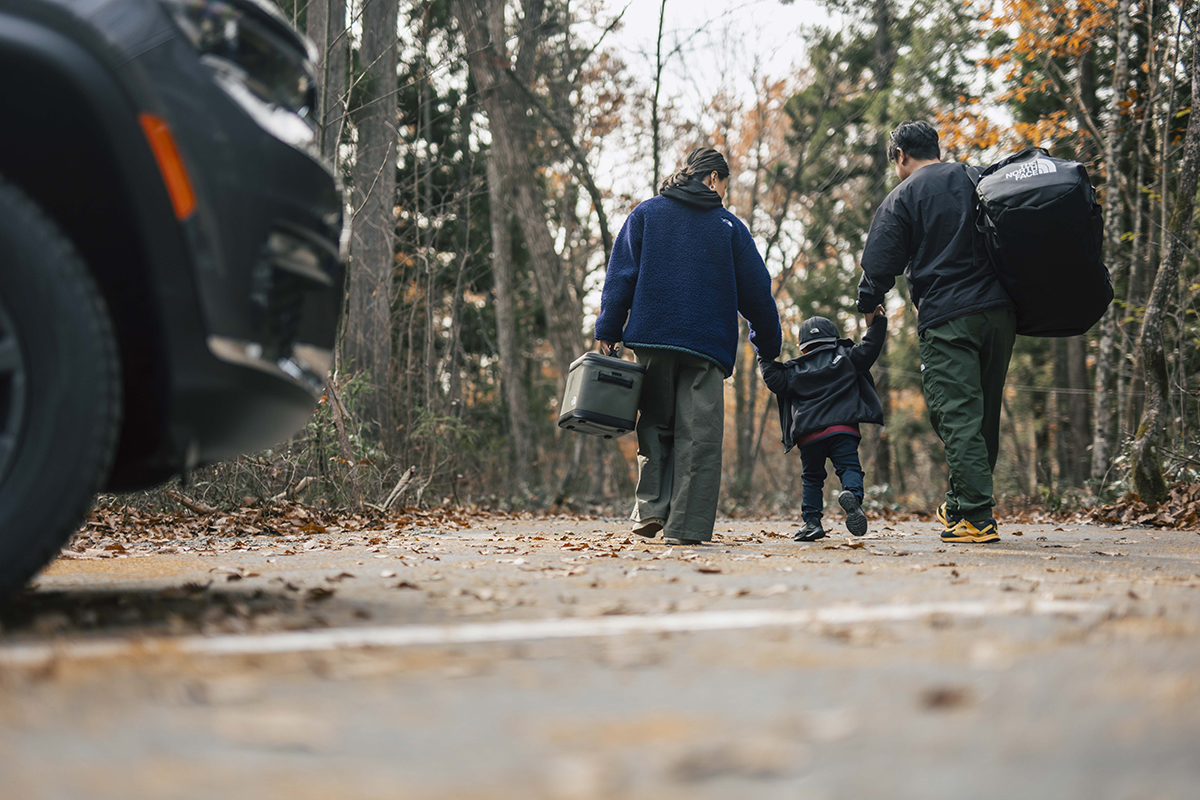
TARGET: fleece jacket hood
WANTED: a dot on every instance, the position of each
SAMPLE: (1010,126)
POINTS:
(694,193)
(678,278)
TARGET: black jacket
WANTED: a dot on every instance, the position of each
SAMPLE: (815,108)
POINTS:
(925,229)
(829,385)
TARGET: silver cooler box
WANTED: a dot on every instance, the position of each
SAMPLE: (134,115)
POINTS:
(602,396)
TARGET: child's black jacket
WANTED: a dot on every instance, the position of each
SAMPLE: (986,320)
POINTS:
(829,385)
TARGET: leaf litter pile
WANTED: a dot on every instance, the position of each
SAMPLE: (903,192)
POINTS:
(1179,512)
(115,531)
(221,603)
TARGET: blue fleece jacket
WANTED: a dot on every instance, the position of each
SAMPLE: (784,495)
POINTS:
(682,275)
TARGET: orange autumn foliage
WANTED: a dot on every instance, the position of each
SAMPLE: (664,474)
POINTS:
(1040,30)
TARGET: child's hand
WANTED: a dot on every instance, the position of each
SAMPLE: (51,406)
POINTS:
(880,312)
(870,316)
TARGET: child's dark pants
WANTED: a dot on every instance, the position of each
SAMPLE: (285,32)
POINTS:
(842,450)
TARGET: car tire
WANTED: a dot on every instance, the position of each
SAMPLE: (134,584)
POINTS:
(60,389)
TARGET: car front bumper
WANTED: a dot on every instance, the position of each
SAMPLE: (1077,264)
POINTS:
(252,316)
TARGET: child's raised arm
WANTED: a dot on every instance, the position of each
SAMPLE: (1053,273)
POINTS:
(864,354)
(773,375)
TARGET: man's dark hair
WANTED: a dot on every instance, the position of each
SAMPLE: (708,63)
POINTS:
(916,138)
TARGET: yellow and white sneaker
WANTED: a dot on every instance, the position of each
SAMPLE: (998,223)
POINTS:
(943,516)
(980,532)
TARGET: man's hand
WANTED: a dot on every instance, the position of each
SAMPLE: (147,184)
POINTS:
(870,316)
(607,348)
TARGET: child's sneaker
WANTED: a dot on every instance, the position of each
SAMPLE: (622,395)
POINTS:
(980,532)
(811,532)
(856,520)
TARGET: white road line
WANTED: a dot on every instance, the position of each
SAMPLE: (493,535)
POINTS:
(398,636)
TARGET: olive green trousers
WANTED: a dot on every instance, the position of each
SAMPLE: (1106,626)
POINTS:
(964,363)
(679,431)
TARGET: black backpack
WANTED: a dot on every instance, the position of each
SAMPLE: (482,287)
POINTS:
(1043,229)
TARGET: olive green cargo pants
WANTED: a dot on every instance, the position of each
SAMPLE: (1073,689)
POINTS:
(679,433)
(964,363)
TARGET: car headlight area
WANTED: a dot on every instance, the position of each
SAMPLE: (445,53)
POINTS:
(256,59)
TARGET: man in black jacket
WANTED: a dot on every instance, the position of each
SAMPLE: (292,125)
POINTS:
(965,320)
(823,396)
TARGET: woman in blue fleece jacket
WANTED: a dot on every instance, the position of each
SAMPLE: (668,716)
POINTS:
(681,271)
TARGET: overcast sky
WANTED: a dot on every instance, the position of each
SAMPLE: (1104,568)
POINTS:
(711,30)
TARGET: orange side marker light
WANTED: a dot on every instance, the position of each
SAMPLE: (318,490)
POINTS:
(169,164)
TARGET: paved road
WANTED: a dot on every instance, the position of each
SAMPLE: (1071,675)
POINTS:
(419,663)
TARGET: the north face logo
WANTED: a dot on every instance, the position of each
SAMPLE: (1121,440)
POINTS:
(1039,166)
(813,330)
(727,222)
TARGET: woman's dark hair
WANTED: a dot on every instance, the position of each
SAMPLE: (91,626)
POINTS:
(699,163)
(918,139)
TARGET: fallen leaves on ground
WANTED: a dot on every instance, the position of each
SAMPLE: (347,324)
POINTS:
(115,530)
(1180,511)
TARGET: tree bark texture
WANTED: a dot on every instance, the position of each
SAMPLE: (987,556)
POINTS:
(515,396)
(1080,413)
(508,112)
(1064,455)
(885,64)
(1141,208)
(580,166)
(368,326)
(326,26)
(1148,479)
(1103,433)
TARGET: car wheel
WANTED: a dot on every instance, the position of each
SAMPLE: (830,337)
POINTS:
(60,384)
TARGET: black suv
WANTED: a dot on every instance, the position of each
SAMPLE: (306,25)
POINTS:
(171,250)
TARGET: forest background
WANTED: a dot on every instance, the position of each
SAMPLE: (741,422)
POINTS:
(491,149)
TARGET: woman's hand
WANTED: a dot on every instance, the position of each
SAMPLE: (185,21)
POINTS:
(870,317)
(608,348)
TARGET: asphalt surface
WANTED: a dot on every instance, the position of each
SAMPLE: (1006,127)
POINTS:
(426,662)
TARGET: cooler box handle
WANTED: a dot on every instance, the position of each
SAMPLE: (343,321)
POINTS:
(606,378)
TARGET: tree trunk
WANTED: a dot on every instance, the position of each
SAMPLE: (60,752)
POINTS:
(1144,245)
(1043,422)
(326,26)
(1074,407)
(368,325)
(1148,479)
(1064,455)
(466,187)
(507,110)
(1140,207)
(1102,431)
(885,63)
(1077,379)
(512,374)
(423,200)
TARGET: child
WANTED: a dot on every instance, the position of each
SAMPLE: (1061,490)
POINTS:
(823,396)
